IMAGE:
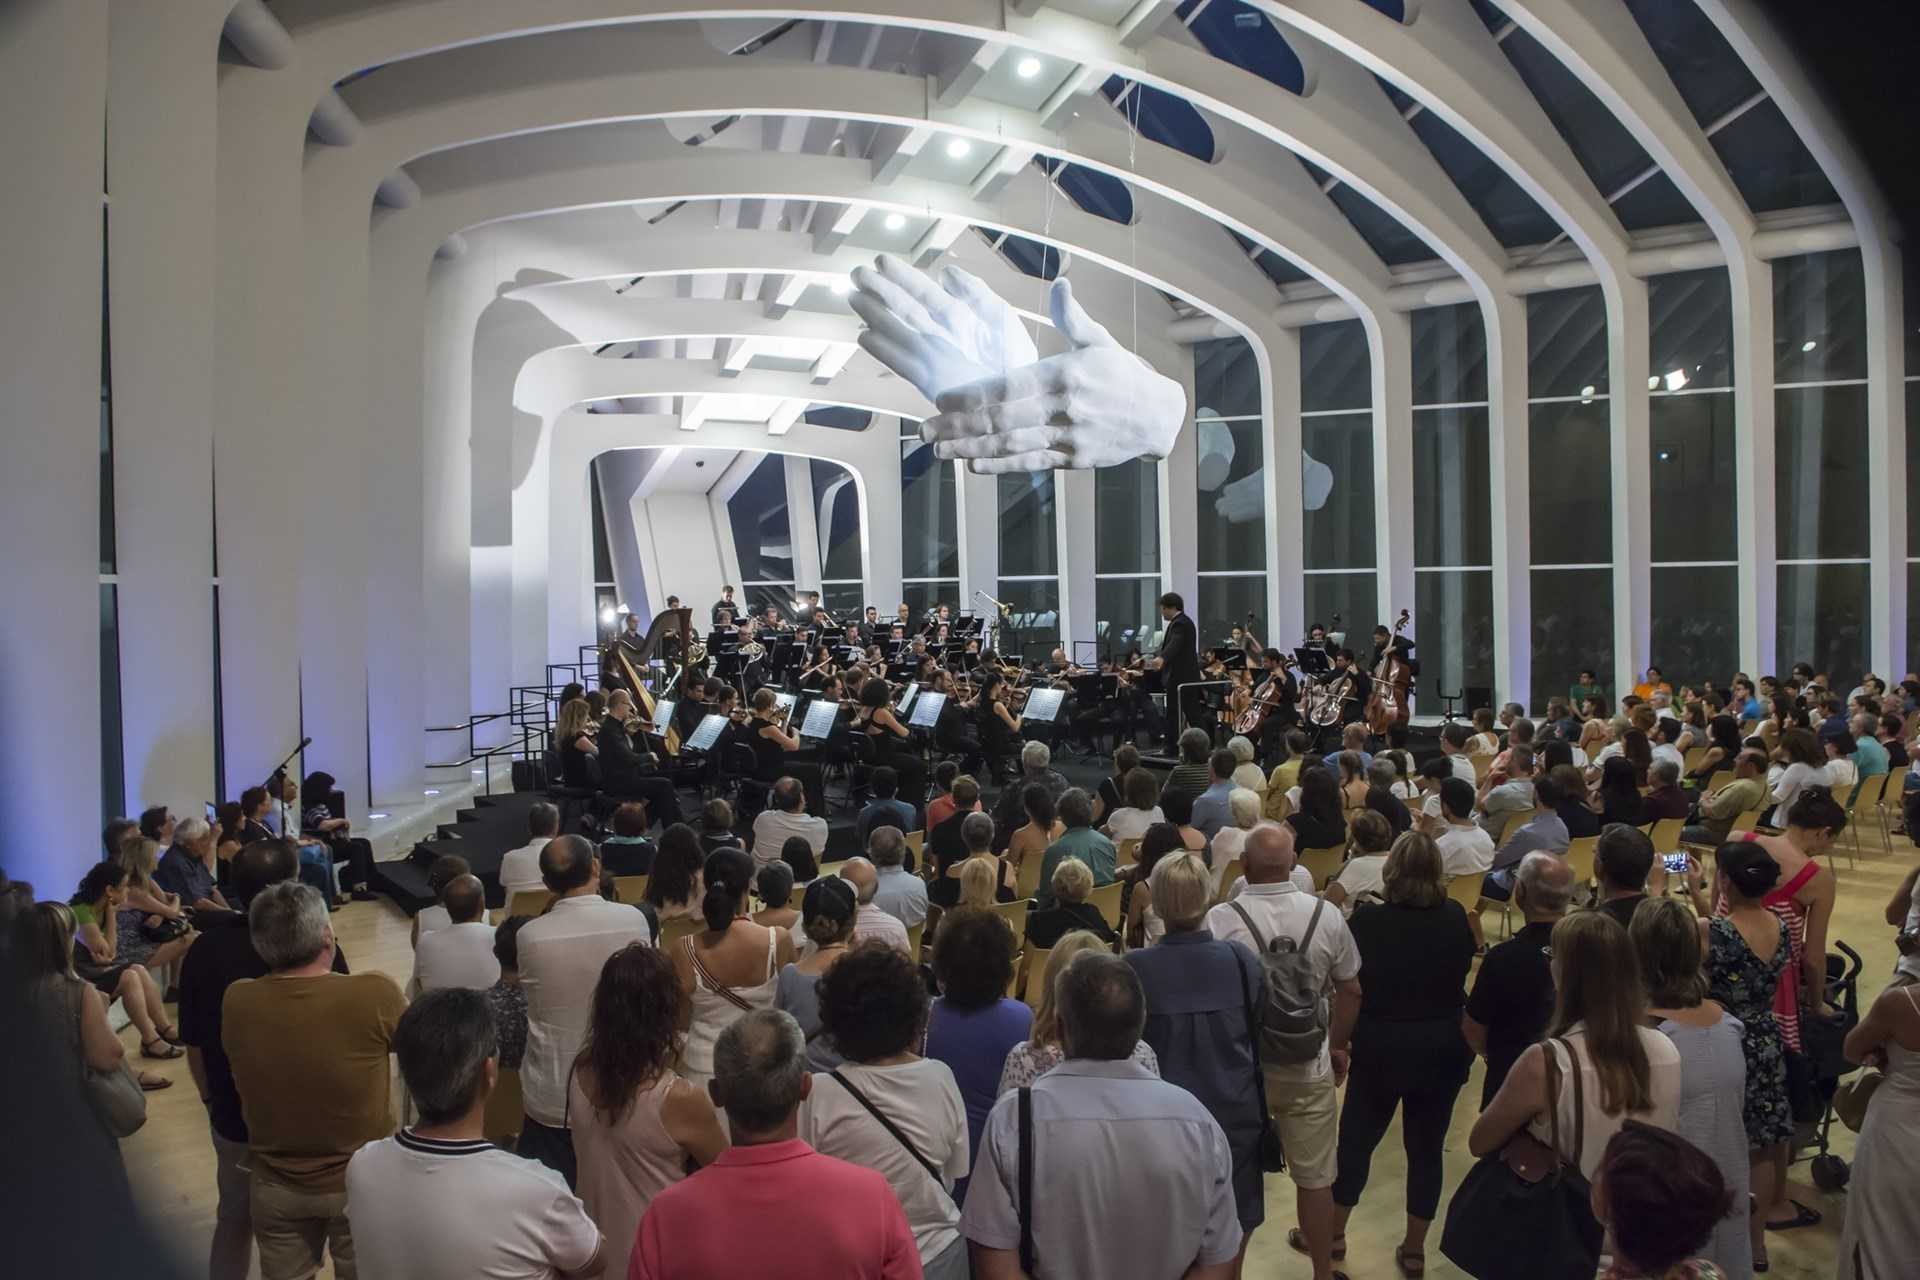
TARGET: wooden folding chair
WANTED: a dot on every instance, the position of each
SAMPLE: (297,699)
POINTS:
(1324,864)
(1107,899)
(630,889)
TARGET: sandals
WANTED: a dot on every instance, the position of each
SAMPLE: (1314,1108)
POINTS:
(170,1033)
(1298,1243)
(150,1083)
(170,1049)
(1802,1217)
(1412,1262)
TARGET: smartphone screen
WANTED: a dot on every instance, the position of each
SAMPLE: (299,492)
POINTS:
(1676,863)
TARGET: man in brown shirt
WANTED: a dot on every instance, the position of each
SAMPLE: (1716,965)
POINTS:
(309,1052)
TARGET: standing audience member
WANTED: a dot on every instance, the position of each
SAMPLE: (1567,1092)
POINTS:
(870,923)
(826,917)
(1408,1052)
(561,955)
(1882,1234)
(1300,1093)
(506,997)
(520,868)
(636,1125)
(1201,1022)
(806,1216)
(1622,861)
(308,1048)
(728,969)
(460,955)
(1713,1067)
(437,1201)
(897,891)
(1661,1199)
(887,1108)
(1166,1213)
(1512,999)
(1041,1052)
(973,1024)
(1628,1071)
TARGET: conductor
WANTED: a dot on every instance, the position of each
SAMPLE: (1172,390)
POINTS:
(1178,662)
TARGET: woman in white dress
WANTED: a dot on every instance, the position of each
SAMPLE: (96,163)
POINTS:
(730,967)
(1882,1236)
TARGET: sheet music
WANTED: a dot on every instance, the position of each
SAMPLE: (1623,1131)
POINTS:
(907,696)
(1043,705)
(819,720)
(926,712)
(663,715)
(707,734)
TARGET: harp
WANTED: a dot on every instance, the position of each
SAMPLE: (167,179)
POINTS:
(623,661)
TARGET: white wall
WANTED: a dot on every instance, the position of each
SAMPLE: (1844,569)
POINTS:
(680,526)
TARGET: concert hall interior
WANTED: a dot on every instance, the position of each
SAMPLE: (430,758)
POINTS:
(736,421)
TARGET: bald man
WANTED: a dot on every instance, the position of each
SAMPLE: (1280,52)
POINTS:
(1513,996)
(460,955)
(870,923)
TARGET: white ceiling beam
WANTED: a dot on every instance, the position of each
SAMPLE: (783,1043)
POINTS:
(1143,21)
(964,71)
(832,361)
(894,149)
(935,241)
(788,296)
(1005,162)
(785,416)
(739,354)
(662,463)
(844,224)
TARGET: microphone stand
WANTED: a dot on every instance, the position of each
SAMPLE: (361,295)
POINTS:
(281,767)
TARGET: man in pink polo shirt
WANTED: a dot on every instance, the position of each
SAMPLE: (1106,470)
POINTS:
(813,1217)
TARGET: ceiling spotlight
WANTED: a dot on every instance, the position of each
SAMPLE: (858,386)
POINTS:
(623,609)
(1676,380)
(841,286)
(431,791)
(606,616)
(1809,345)
(957,148)
(1587,391)
(895,221)
(1653,383)
(1029,68)
(1664,455)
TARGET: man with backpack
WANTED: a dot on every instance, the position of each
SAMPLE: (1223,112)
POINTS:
(1306,954)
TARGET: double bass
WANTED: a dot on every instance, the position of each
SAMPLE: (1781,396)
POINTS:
(1392,679)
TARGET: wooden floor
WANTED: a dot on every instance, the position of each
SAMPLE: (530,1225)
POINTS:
(172,1163)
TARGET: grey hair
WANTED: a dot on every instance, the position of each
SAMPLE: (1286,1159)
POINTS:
(190,830)
(1194,745)
(976,832)
(1660,771)
(759,1063)
(1382,774)
(1242,749)
(1545,891)
(1243,806)
(288,924)
(543,819)
(1101,1007)
(1034,756)
(886,846)
(443,1041)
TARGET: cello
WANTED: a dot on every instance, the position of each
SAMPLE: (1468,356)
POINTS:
(1392,679)
(1265,702)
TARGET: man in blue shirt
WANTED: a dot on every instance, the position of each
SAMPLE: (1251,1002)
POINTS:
(884,810)
(1744,704)
(1210,811)
(1868,754)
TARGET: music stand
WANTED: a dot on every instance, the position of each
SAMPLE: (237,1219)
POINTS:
(907,695)
(817,724)
(926,710)
(783,702)
(1043,705)
(1312,660)
(662,716)
(707,734)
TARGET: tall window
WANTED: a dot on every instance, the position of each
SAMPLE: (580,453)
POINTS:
(606,592)
(1029,563)
(929,527)
(1696,568)
(1820,473)
(1231,518)
(1569,472)
(1126,554)
(1452,525)
(1336,475)
(836,510)
(1913,473)
(113,777)
(763,536)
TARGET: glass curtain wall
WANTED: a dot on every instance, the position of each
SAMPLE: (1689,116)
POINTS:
(1337,489)
(836,511)
(1231,512)
(1126,555)
(1452,525)
(929,527)
(113,782)
(1696,571)
(1570,487)
(763,537)
(1913,481)
(1820,469)
(606,593)
(1029,564)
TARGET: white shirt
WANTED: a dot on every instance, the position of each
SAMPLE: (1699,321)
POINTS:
(1281,910)
(1361,875)
(1132,824)
(1249,776)
(1667,751)
(1465,850)
(561,955)
(432,919)
(460,955)
(922,1100)
(520,868)
(870,923)
(1795,779)
(1462,766)
(772,828)
(428,1209)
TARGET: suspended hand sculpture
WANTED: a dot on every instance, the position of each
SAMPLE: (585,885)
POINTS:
(1094,405)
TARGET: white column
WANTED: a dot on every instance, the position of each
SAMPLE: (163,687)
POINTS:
(1073,526)
(1630,410)
(1505,318)
(881,555)
(1392,371)
(1756,527)
(529,551)
(1286,510)
(802,525)
(160,163)
(1887,454)
(977,504)
(53,91)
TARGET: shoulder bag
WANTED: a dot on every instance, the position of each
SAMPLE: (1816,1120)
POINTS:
(1272,1156)
(115,1094)
(1528,1190)
(894,1130)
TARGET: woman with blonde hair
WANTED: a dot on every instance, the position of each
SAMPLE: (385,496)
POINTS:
(146,912)
(1627,1069)
(1041,1051)
(577,737)
(979,881)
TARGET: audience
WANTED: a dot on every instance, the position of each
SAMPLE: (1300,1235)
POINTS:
(1512,1000)
(506,997)
(1666,800)
(443,871)
(520,868)
(1369,838)
(897,891)
(884,810)
(1882,1232)
(1036,770)
(1465,847)
(872,923)
(1661,1199)
(729,968)
(1508,796)
(805,1214)
(1619,794)
(1574,810)
(945,846)
(1243,809)
(1042,826)
(561,954)
(1380,798)
(1041,1052)
(637,1126)
(1804,769)
(1193,774)
(1144,927)
(437,1201)
(1078,840)
(786,815)
(773,886)
(887,1108)
(1408,1052)
(95,908)
(716,826)
(973,1024)
(1622,861)
(1141,810)
(1542,833)
(944,803)
(1713,816)
(1317,820)
(797,853)
(1070,912)
(1197,991)
(628,852)
(1210,811)
(826,917)
(460,955)
(1167,1212)
(308,1049)
(189,868)
(674,886)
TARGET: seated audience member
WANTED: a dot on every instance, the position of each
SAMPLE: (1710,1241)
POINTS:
(1666,800)
(797,853)
(1243,807)
(887,1108)
(727,968)
(1574,810)
(319,822)
(773,885)
(443,871)
(1622,861)
(1246,773)
(872,923)
(943,805)
(1382,777)
(144,903)
(1071,911)
(674,887)
(1042,1051)
(188,869)
(628,852)
(1130,820)
(1508,800)
(1166,1212)
(716,826)
(1079,840)
(1619,794)
(786,815)
(1210,811)
(1660,1199)
(95,907)
(826,919)
(1512,996)
(1714,815)
(1543,832)
(1663,740)
(1465,846)
(897,891)
(561,955)
(460,955)
(944,845)
(1178,809)
(1454,737)
(1036,770)
(1285,775)
(437,1201)
(1369,839)
(1805,770)
(506,997)
(884,810)
(1317,820)
(973,838)
(637,1126)
(1519,734)
(1193,774)
(805,1213)
(308,1048)
(973,1023)
(520,868)
(1111,793)
(1628,1070)
(1353,781)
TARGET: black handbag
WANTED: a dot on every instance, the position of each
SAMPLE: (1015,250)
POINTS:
(166,931)
(1528,1191)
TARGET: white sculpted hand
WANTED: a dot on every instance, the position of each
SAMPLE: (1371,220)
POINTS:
(1243,499)
(936,336)
(1093,406)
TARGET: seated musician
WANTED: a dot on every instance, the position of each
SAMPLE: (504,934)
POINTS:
(903,618)
(692,707)
(771,619)
(1354,705)
(774,749)
(876,661)
(891,741)
(953,732)
(999,727)
(819,669)
(870,628)
(574,734)
(625,770)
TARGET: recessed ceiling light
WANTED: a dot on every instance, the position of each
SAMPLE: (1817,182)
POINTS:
(841,287)
(376,815)
(431,791)
(1029,68)
(1808,345)
(1587,390)
(958,148)
(895,221)
(1676,380)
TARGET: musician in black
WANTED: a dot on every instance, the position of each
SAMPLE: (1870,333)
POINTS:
(1278,689)
(725,611)
(1384,640)
(871,632)
(1353,702)
(628,772)
(1178,662)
